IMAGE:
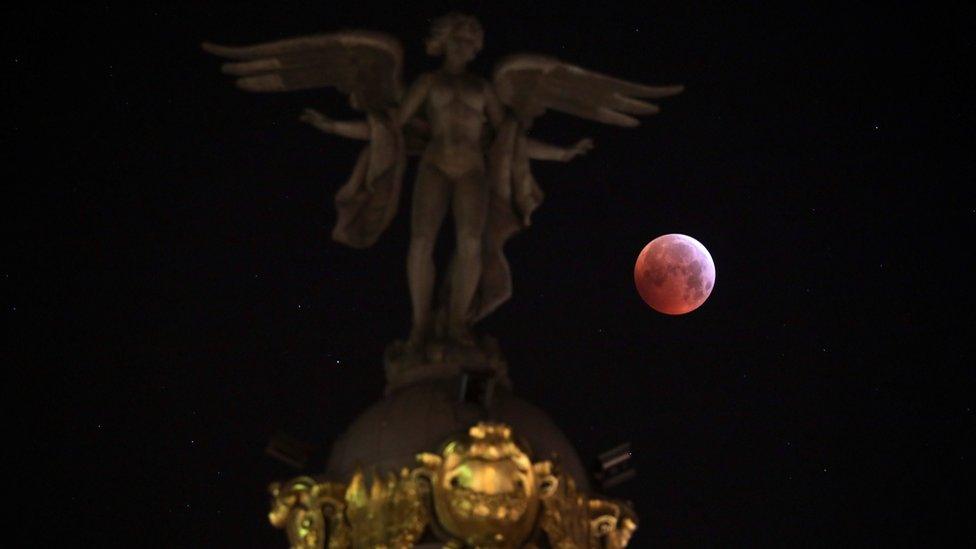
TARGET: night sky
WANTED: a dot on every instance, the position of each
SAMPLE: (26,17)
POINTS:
(176,298)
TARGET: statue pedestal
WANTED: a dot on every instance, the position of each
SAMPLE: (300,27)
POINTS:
(443,359)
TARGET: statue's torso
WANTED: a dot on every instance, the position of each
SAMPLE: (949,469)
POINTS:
(456,111)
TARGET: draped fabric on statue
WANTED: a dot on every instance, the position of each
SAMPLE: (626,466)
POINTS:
(363,213)
(514,196)
(367,202)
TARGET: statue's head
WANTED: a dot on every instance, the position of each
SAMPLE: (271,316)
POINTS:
(456,35)
(486,490)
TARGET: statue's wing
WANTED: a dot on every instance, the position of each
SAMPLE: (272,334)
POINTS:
(532,84)
(364,64)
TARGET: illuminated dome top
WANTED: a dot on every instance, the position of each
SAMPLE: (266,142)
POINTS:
(415,419)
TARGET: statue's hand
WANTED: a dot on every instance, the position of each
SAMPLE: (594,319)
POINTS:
(581,147)
(317,119)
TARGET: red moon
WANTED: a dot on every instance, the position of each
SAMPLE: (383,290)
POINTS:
(674,274)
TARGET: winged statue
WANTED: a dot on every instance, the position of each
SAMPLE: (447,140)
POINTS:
(470,133)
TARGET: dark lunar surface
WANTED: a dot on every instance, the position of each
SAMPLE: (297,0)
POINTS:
(674,274)
(174,300)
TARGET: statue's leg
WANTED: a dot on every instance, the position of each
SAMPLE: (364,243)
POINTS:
(470,207)
(431,193)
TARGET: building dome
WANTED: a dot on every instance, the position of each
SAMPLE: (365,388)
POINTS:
(418,418)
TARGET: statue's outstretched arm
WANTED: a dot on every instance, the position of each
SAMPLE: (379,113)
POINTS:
(350,129)
(545,151)
(537,150)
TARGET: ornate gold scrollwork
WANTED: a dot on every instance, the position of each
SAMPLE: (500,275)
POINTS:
(480,490)
(573,520)
(309,511)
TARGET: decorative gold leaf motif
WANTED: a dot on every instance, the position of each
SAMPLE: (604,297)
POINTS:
(390,513)
(566,517)
(481,488)
(572,520)
(308,511)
